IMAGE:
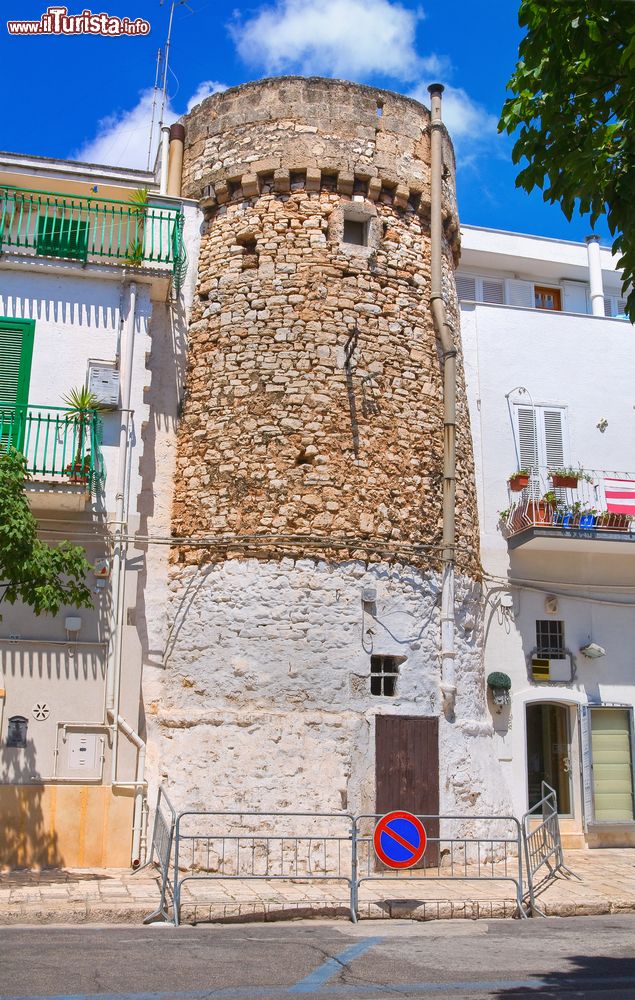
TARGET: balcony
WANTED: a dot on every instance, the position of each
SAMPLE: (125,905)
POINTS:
(61,448)
(69,227)
(599,509)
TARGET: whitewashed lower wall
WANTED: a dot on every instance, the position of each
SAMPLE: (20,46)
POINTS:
(265,701)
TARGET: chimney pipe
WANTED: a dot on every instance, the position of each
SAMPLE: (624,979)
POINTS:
(595,275)
(446,337)
(175,166)
(165,150)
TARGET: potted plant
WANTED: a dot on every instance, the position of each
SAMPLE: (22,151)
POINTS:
(135,251)
(568,478)
(82,404)
(500,686)
(612,522)
(519,480)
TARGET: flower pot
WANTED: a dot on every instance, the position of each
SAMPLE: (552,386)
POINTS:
(539,512)
(518,482)
(612,522)
(564,482)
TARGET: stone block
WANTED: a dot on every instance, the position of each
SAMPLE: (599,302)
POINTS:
(282,180)
(401,196)
(345,183)
(313,179)
(374,188)
(250,186)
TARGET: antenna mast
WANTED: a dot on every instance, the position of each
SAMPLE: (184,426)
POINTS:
(154,106)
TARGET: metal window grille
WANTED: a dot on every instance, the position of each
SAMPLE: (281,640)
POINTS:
(550,638)
(384,671)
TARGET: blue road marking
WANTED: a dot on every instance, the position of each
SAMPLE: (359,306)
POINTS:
(364,989)
(323,973)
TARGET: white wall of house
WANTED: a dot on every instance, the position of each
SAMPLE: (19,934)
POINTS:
(586,366)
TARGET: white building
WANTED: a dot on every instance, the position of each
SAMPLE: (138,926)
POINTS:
(550,386)
(93,292)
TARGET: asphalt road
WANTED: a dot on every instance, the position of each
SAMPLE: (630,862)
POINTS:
(589,957)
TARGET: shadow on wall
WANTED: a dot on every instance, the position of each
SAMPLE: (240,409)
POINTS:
(26,838)
(168,366)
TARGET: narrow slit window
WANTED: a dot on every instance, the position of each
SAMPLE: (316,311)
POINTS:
(384,671)
(355,232)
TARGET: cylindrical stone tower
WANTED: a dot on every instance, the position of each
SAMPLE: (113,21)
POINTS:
(308,499)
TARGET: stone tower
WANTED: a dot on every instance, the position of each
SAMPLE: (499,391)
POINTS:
(308,496)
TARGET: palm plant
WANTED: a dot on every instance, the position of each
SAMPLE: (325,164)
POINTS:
(82,405)
(139,201)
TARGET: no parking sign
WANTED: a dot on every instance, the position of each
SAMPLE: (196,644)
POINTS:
(400,839)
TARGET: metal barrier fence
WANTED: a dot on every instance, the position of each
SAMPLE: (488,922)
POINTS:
(161,846)
(323,847)
(543,845)
(296,847)
(459,848)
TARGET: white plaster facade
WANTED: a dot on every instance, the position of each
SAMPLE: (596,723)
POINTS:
(267,703)
(584,367)
(81,312)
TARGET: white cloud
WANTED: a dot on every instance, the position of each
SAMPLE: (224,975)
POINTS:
(348,38)
(205,89)
(122,138)
(472,128)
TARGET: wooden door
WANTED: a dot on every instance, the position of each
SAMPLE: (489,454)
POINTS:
(407,771)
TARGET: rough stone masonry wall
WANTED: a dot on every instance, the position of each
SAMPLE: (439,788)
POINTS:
(313,419)
(314,399)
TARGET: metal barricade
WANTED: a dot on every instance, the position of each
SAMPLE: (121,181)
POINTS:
(459,848)
(271,846)
(163,832)
(543,844)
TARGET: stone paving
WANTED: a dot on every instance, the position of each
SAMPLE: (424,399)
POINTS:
(605,884)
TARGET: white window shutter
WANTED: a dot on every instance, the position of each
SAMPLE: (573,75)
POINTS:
(554,439)
(520,293)
(493,291)
(466,287)
(527,438)
(575,297)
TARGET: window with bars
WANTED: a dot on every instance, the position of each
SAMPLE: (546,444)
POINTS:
(550,638)
(384,671)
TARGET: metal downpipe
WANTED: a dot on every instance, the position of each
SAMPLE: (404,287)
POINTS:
(446,337)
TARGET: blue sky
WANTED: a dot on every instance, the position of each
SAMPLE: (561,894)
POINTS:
(90,97)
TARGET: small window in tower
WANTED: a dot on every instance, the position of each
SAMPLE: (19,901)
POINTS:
(356,232)
(384,671)
(16,733)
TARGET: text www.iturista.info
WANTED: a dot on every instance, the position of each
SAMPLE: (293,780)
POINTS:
(57,21)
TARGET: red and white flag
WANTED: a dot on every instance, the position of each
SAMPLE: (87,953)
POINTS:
(620,496)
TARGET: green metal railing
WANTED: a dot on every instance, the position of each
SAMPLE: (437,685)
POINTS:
(77,228)
(56,442)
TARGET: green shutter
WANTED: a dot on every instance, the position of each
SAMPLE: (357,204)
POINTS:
(59,236)
(16,352)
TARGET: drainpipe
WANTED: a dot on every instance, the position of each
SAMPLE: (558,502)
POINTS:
(446,337)
(595,275)
(175,166)
(165,150)
(113,676)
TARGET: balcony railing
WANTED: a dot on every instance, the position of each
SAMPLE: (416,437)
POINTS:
(45,224)
(58,444)
(605,501)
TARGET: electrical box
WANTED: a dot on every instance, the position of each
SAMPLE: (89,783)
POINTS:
(103,382)
(82,752)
